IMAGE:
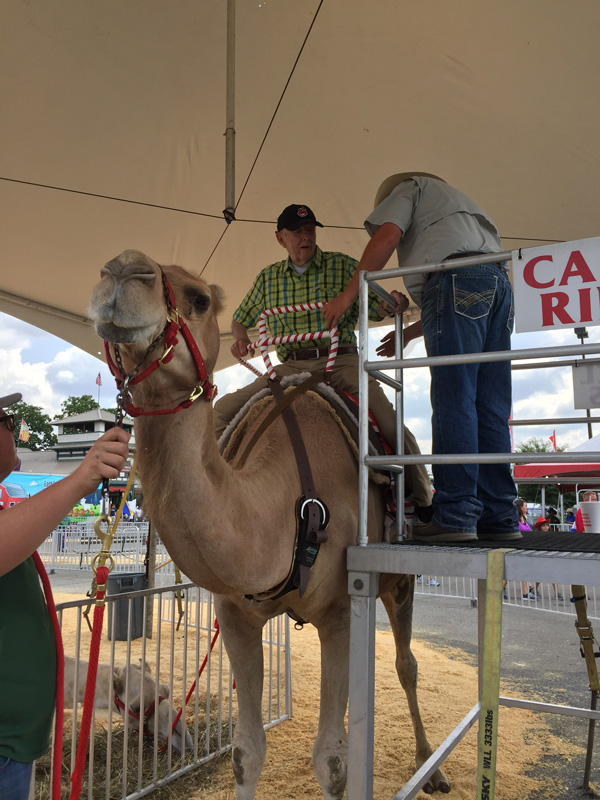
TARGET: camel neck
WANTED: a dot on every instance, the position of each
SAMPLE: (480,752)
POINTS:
(202,505)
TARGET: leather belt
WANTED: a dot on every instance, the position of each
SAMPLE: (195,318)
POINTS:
(466,255)
(477,253)
(309,354)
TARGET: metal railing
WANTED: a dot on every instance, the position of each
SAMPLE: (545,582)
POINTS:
(171,629)
(539,596)
(72,547)
(399,458)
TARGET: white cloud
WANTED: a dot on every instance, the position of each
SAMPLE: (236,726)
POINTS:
(47,371)
(44,380)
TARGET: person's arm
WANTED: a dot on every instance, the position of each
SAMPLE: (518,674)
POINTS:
(23,527)
(376,255)
(242,345)
(387,345)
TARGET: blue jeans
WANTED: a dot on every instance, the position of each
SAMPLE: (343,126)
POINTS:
(470,310)
(15,779)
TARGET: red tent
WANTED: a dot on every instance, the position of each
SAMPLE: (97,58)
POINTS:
(570,471)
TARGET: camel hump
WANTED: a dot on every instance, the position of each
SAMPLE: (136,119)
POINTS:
(254,418)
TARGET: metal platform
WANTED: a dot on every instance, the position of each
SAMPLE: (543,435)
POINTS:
(560,558)
(367,563)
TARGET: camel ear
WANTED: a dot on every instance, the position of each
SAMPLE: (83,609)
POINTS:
(146,666)
(164,690)
(118,684)
(218,298)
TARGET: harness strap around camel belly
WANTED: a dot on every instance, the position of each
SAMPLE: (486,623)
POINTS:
(312,514)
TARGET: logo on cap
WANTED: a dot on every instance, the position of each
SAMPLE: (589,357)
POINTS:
(302,211)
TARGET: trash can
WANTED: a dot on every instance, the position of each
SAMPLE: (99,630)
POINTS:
(120,583)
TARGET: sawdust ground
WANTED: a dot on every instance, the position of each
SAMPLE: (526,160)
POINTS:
(447,691)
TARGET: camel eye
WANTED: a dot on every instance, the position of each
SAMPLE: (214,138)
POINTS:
(199,302)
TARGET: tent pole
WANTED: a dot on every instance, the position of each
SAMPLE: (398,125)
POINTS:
(229,212)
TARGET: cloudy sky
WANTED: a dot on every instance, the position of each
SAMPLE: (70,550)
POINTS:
(47,370)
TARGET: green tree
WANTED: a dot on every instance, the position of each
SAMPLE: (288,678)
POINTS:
(77,405)
(41,433)
(531,491)
(536,445)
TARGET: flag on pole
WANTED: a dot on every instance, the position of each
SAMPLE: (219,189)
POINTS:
(553,439)
(24,432)
(99,380)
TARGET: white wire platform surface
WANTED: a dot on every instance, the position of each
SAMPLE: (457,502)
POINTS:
(365,565)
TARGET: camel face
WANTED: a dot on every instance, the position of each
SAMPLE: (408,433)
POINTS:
(142,691)
(126,304)
(129,306)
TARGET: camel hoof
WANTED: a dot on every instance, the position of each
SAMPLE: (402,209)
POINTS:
(437,783)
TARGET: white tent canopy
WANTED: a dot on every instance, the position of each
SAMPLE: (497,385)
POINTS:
(113,115)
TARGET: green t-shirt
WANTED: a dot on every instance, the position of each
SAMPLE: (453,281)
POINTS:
(27,665)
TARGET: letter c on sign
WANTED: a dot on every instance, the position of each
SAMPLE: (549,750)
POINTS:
(529,277)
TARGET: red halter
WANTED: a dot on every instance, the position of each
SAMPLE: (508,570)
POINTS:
(175,323)
(144,716)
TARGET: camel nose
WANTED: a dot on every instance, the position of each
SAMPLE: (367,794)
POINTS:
(131,264)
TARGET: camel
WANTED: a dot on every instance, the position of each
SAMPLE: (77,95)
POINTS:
(235,527)
(135,688)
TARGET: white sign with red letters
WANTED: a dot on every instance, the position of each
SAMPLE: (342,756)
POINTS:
(557,286)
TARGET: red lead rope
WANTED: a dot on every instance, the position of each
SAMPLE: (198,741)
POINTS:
(193,686)
(90,687)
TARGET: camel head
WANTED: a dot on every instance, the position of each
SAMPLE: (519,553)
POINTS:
(137,700)
(140,309)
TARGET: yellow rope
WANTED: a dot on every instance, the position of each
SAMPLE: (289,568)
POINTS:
(107,536)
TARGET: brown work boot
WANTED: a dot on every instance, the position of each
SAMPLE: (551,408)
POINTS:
(432,532)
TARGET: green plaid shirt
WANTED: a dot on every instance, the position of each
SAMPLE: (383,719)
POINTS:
(326,276)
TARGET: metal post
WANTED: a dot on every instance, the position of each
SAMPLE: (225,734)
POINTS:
(590,744)
(399,394)
(229,211)
(582,334)
(543,514)
(54,558)
(362,587)
(363,410)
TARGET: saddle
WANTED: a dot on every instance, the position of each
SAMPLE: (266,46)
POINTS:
(341,406)
(244,431)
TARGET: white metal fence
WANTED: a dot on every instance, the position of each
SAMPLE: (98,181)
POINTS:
(532,594)
(171,629)
(72,547)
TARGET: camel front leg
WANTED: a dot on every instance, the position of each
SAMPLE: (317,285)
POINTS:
(330,752)
(399,604)
(242,637)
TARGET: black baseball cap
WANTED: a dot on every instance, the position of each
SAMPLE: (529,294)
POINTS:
(294,217)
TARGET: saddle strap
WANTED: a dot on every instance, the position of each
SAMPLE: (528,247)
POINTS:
(314,532)
(282,401)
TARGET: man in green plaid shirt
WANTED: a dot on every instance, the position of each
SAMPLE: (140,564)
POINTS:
(310,275)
